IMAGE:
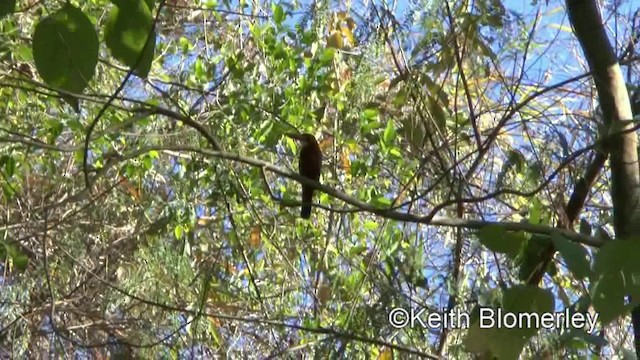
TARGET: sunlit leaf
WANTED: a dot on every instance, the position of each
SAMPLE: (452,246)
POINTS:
(129,36)
(389,133)
(178,232)
(278,13)
(65,49)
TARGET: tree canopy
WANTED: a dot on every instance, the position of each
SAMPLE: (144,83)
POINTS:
(476,156)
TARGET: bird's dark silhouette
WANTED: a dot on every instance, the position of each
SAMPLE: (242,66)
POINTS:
(309,164)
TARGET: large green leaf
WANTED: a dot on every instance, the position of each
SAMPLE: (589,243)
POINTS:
(497,239)
(7,7)
(127,30)
(490,332)
(616,274)
(574,255)
(531,255)
(65,49)
(521,299)
(9,164)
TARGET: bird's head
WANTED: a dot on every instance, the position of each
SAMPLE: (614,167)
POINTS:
(304,139)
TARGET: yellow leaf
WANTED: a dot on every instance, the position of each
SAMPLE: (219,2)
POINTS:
(130,188)
(564,28)
(384,85)
(344,158)
(346,32)
(326,142)
(205,220)
(386,354)
(214,321)
(254,238)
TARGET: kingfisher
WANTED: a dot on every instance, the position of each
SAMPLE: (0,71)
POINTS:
(309,164)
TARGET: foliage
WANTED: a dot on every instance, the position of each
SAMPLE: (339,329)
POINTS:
(153,212)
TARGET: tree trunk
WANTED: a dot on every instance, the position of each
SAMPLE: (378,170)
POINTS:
(622,141)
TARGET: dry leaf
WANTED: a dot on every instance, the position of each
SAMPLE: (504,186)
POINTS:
(254,237)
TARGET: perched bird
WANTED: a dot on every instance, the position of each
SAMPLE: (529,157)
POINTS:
(309,165)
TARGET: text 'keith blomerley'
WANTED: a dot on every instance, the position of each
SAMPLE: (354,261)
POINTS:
(492,318)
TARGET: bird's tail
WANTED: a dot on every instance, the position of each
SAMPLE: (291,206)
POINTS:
(307,197)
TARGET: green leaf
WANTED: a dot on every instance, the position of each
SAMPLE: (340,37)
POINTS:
(7,190)
(150,4)
(521,299)
(20,261)
(618,256)
(608,297)
(382,202)
(185,45)
(147,162)
(489,234)
(534,173)
(371,225)
(497,239)
(127,30)
(9,164)
(370,126)
(278,13)
(478,340)
(357,250)
(23,53)
(536,209)
(389,133)
(586,337)
(574,255)
(65,49)
(7,7)
(370,114)
(503,342)
(326,56)
(616,274)
(528,298)
(54,128)
(400,97)
(515,159)
(200,72)
(395,153)
(178,232)
(529,260)
(437,113)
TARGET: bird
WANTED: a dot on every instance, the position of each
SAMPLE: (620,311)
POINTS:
(309,164)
